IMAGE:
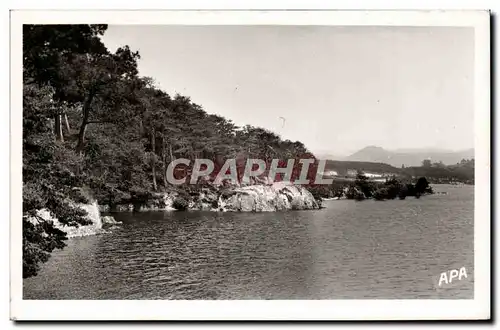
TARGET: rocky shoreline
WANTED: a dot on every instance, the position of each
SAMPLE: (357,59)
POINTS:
(253,198)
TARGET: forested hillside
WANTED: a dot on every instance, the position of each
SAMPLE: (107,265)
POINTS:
(91,122)
(439,173)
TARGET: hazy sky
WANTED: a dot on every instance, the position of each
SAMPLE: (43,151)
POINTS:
(339,88)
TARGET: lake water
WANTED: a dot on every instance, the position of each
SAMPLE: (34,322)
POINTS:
(359,250)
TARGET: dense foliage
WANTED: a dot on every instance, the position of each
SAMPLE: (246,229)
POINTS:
(90,121)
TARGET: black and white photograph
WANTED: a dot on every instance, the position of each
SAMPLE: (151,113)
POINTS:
(252,159)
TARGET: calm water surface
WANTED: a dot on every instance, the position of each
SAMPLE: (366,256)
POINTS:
(360,250)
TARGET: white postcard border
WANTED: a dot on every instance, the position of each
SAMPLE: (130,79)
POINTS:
(478,308)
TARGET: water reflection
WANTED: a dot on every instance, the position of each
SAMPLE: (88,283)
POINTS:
(351,249)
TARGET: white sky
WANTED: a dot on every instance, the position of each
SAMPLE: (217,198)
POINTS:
(339,88)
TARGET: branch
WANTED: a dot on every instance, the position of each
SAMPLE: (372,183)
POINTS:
(35,217)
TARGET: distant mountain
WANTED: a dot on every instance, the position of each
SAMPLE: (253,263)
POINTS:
(409,157)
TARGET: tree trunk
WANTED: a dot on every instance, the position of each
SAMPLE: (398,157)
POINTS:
(171,158)
(141,127)
(85,121)
(164,155)
(67,123)
(58,129)
(153,165)
(170,150)
(81,136)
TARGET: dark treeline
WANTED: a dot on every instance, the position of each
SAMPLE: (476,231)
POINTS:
(462,172)
(363,188)
(90,121)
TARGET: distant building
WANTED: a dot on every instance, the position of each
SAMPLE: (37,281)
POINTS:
(373,175)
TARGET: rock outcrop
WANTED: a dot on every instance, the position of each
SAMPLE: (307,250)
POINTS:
(207,200)
(93,215)
(253,198)
(110,221)
(267,198)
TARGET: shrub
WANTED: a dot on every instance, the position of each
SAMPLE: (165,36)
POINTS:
(393,187)
(403,192)
(319,192)
(381,194)
(354,193)
(180,204)
(410,189)
(364,185)
(421,185)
